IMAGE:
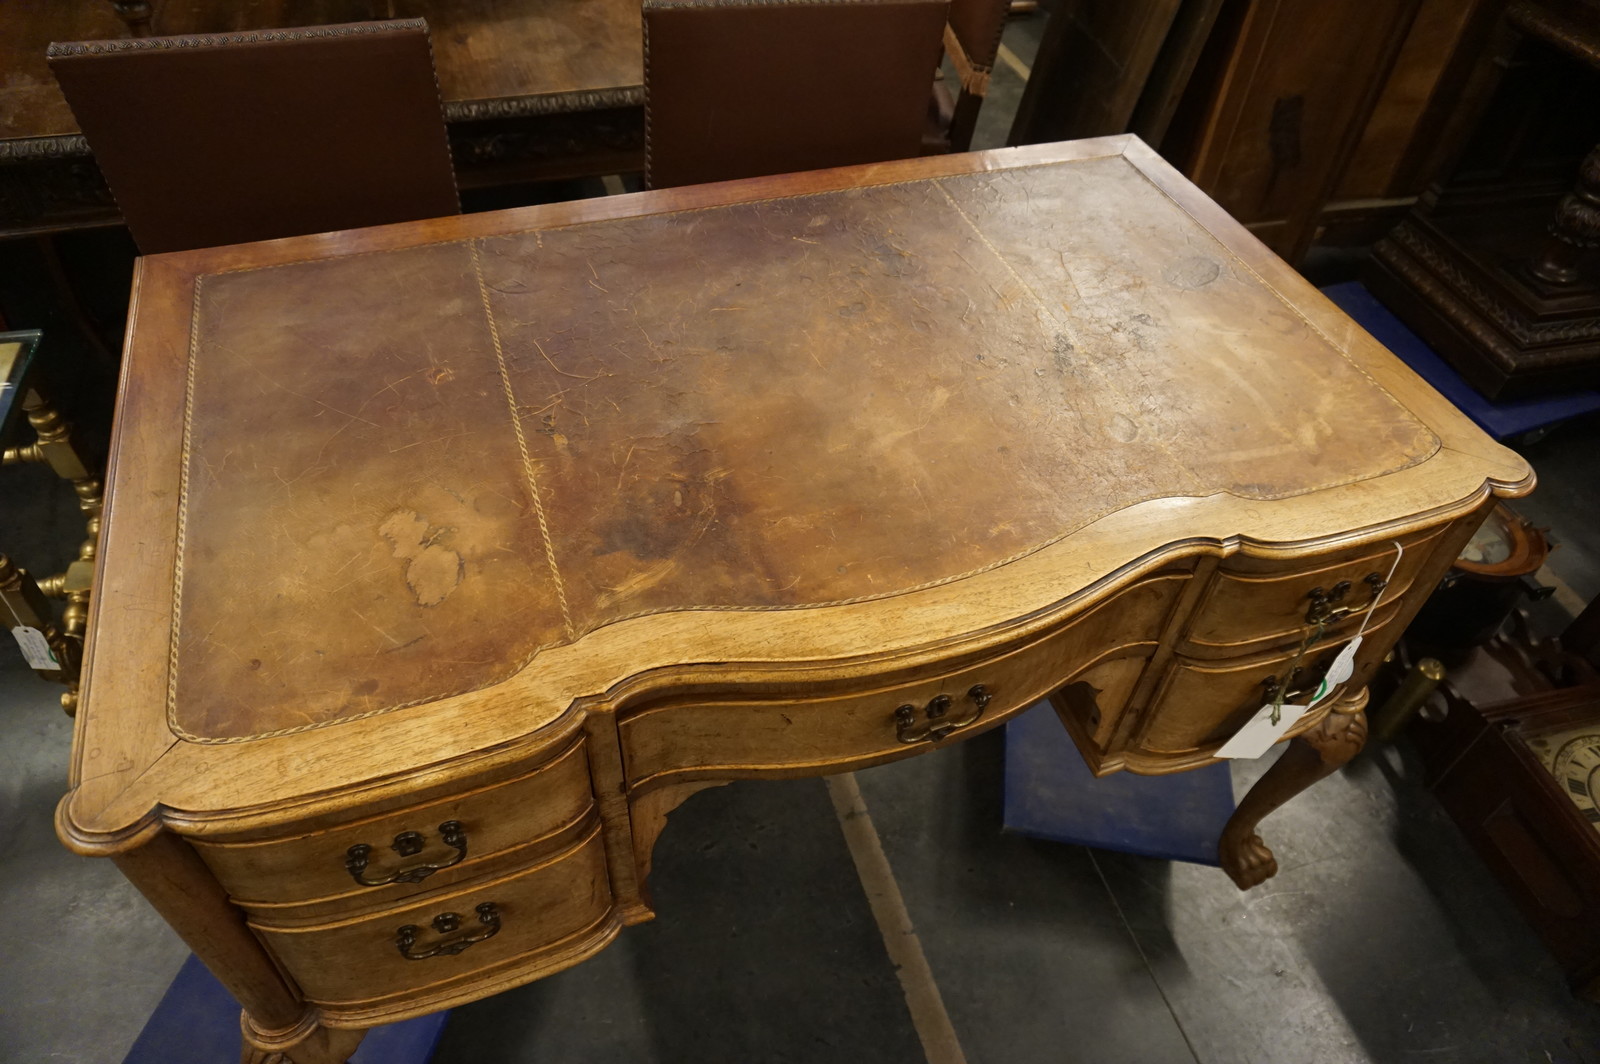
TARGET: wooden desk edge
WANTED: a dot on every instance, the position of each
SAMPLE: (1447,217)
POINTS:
(614,674)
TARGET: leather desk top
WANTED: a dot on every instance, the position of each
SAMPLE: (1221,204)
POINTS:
(469,470)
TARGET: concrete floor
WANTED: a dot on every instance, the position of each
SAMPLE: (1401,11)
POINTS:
(1383,939)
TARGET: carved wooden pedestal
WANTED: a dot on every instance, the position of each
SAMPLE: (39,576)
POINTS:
(1498,266)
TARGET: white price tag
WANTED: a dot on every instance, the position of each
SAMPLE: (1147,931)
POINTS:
(1343,667)
(1259,733)
(35,649)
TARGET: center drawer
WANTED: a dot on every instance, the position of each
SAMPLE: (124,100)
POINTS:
(710,734)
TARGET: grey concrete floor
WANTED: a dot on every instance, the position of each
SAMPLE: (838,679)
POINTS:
(1383,939)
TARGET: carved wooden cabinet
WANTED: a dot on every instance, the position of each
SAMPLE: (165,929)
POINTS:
(443,560)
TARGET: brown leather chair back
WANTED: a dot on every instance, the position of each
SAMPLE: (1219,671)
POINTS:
(972,41)
(229,137)
(742,88)
(976,26)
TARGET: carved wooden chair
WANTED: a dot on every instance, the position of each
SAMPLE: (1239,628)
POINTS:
(972,44)
(224,138)
(744,88)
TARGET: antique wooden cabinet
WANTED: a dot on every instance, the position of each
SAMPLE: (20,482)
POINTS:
(443,560)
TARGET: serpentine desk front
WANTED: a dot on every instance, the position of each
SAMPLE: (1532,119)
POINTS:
(443,560)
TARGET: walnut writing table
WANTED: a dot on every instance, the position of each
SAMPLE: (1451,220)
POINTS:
(443,560)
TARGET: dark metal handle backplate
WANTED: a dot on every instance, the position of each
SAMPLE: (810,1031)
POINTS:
(1327,604)
(935,724)
(407,844)
(449,924)
(1297,687)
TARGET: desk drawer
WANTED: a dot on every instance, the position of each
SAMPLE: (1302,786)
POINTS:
(350,961)
(408,851)
(1253,606)
(1200,704)
(710,735)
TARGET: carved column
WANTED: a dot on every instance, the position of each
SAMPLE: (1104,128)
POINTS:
(1575,230)
(278,1026)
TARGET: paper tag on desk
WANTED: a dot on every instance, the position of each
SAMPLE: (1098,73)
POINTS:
(1343,667)
(1259,733)
(35,649)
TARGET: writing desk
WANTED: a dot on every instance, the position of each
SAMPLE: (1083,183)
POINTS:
(443,560)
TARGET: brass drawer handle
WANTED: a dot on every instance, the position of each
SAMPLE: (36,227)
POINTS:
(407,844)
(908,730)
(1277,695)
(1327,605)
(449,924)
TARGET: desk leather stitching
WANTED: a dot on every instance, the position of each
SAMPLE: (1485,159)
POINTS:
(183,510)
(528,467)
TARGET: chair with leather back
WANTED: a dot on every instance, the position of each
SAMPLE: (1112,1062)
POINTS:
(745,88)
(972,43)
(224,138)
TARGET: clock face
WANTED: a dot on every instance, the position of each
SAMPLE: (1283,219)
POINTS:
(1576,768)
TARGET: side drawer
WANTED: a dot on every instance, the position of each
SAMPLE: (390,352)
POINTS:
(1201,704)
(408,851)
(453,935)
(864,723)
(1253,605)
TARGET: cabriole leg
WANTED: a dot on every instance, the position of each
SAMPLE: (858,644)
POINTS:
(1310,757)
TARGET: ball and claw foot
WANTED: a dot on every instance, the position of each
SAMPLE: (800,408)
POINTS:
(1315,753)
(1246,859)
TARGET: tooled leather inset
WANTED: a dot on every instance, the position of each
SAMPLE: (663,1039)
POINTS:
(773,405)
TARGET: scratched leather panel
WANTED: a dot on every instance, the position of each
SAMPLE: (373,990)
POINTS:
(759,406)
(356,531)
(858,393)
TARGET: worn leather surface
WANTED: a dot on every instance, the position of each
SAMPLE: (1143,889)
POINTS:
(227,138)
(745,89)
(759,406)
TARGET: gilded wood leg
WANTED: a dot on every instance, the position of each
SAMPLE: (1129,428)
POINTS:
(1310,757)
(305,1043)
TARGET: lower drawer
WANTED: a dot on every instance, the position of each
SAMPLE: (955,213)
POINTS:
(815,734)
(1201,704)
(449,935)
